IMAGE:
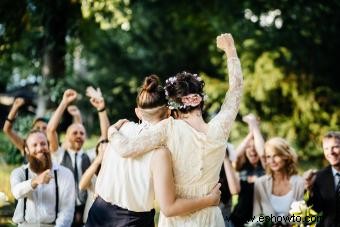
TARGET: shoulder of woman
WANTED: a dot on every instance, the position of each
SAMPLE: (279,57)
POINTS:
(128,126)
(263,179)
(297,179)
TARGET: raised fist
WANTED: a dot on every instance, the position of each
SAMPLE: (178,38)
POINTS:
(225,42)
(249,118)
(69,96)
(18,102)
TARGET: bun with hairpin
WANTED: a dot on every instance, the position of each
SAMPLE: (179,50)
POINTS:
(151,93)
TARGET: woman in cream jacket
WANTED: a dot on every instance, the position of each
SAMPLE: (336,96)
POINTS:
(275,191)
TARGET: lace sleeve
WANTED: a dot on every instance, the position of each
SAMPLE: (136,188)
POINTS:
(231,104)
(149,139)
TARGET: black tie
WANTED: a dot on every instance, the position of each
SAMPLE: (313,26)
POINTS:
(75,169)
(337,190)
(337,197)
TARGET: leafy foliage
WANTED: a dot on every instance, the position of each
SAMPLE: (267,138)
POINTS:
(288,49)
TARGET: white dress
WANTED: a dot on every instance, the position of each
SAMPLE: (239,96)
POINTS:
(197,157)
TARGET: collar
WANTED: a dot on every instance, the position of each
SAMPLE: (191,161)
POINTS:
(145,124)
(73,152)
(334,171)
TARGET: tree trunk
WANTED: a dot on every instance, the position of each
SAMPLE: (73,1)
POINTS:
(54,50)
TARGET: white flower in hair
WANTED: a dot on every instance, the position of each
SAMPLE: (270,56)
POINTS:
(205,97)
(197,77)
(173,105)
(171,80)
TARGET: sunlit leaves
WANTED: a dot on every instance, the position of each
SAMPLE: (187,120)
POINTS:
(109,14)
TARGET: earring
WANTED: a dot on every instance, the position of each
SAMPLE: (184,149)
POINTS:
(139,121)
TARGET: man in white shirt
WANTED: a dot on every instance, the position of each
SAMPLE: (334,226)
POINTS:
(43,189)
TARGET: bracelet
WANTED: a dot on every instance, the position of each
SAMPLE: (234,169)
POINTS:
(101,110)
(10,120)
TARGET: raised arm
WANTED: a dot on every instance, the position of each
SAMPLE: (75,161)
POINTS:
(230,106)
(241,150)
(8,126)
(51,131)
(146,141)
(86,178)
(232,178)
(75,113)
(165,192)
(97,101)
(254,127)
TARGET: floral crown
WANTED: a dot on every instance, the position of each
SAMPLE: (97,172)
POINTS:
(190,100)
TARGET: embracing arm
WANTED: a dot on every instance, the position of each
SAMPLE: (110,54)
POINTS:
(165,192)
(8,126)
(230,106)
(146,141)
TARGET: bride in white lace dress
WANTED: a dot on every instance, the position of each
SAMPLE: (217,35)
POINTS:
(197,148)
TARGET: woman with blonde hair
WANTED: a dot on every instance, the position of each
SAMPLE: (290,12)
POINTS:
(275,191)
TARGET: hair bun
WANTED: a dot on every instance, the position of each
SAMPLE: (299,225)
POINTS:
(151,83)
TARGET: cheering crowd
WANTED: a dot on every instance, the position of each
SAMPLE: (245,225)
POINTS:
(172,156)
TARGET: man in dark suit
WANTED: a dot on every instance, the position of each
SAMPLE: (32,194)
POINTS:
(325,191)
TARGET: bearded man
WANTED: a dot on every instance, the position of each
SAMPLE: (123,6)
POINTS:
(43,189)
